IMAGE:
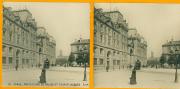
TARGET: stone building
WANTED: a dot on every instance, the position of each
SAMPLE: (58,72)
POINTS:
(46,45)
(139,47)
(110,40)
(169,48)
(78,45)
(22,42)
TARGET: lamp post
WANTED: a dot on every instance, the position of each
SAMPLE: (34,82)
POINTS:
(39,57)
(176,60)
(83,52)
(176,74)
(131,45)
(133,75)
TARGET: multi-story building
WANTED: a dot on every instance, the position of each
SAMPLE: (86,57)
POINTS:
(110,40)
(46,46)
(80,46)
(21,40)
(169,48)
(139,47)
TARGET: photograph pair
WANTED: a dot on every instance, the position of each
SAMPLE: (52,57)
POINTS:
(128,45)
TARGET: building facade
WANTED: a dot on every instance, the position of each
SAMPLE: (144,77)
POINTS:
(139,47)
(21,44)
(169,48)
(79,46)
(110,40)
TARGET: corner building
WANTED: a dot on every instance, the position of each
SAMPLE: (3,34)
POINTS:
(78,45)
(169,48)
(110,40)
(140,47)
(22,41)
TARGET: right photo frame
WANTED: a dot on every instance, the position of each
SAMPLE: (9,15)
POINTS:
(136,45)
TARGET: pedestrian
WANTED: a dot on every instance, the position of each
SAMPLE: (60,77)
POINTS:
(133,77)
(107,68)
(43,76)
(46,64)
(16,67)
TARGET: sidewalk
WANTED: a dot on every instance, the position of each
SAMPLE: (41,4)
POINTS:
(121,79)
(55,77)
(69,69)
(159,70)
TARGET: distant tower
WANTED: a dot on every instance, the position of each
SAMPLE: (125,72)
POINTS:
(172,39)
(60,53)
(152,54)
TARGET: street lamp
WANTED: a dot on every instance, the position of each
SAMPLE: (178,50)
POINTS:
(133,75)
(131,45)
(83,52)
(176,65)
(39,56)
(176,74)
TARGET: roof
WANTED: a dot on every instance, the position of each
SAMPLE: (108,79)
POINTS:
(114,12)
(81,41)
(41,32)
(23,10)
(21,19)
(108,20)
(170,43)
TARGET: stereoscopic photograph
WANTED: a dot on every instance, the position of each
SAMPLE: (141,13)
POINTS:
(136,45)
(46,44)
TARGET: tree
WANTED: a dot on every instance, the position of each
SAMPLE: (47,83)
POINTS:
(61,61)
(153,62)
(79,59)
(71,59)
(162,60)
(87,58)
(178,59)
(171,60)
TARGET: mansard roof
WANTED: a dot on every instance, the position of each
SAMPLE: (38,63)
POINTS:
(171,43)
(18,18)
(133,34)
(104,18)
(81,41)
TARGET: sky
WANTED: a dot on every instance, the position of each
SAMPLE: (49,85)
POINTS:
(157,23)
(66,22)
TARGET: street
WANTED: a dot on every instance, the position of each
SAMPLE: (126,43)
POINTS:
(144,78)
(57,76)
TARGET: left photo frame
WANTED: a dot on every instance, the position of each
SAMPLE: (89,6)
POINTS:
(46,44)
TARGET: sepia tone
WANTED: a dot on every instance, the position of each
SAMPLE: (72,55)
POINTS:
(133,48)
(38,51)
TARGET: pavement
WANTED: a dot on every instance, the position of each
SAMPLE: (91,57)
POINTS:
(159,70)
(56,76)
(144,78)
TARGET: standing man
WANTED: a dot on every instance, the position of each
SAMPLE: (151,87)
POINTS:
(46,64)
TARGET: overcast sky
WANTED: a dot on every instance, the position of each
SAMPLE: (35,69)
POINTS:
(64,21)
(157,23)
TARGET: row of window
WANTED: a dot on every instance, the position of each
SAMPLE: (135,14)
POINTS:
(9,60)
(101,62)
(115,41)
(20,34)
(24,52)
(101,51)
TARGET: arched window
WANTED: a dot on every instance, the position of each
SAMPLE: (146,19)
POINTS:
(101,50)
(4,32)
(10,35)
